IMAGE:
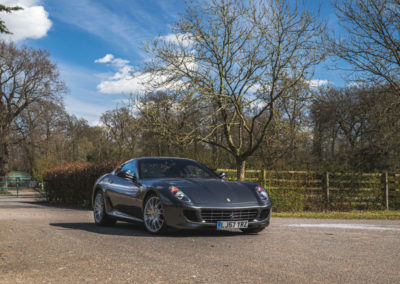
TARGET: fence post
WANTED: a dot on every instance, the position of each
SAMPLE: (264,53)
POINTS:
(327,189)
(387,190)
(17,183)
(264,178)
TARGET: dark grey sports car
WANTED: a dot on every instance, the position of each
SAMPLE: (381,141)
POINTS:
(178,193)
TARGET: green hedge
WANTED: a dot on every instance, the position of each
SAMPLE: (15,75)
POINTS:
(72,184)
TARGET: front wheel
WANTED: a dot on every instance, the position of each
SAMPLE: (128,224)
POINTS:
(99,212)
(153,215)
(252,230)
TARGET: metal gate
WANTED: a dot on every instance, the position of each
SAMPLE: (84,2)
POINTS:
(20,187)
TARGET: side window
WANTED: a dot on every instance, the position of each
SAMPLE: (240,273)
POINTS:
(129,168)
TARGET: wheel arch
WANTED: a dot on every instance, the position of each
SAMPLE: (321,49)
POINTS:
(147,194)
(95,190)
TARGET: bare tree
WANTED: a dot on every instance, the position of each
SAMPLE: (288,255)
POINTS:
(120,129)
(35,132)
(157,120)
(230,61)
(27,76)
(294,121)
(357,127)
(371,42)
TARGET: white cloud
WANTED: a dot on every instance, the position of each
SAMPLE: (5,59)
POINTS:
(120,62)
(126,81)
(259,88)
(317,83)
(355,84)
(122,86)
(97,123)
(107,58)
(183,39)
(31,22)
(121,81)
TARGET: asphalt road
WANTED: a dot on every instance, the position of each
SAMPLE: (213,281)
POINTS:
(44,244)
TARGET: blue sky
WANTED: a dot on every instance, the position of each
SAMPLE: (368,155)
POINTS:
(95,43)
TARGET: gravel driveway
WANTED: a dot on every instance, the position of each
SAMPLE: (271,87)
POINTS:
(44,244)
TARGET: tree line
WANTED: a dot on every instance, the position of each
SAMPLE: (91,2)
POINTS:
(233,89)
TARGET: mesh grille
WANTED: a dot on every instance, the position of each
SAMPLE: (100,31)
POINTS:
(264,214)
(214,215)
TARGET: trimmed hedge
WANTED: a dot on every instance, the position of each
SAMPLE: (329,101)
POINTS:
(72,183)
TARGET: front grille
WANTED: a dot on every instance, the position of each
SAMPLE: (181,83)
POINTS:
(214,215)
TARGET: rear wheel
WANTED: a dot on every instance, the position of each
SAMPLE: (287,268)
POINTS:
(99,212)
(252,230)
(153,215)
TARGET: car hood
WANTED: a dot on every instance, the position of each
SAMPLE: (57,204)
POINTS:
(214,191)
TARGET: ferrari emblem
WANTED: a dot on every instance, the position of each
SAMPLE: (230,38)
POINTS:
(228,200)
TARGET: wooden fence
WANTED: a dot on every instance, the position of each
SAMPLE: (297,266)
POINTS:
(308,190)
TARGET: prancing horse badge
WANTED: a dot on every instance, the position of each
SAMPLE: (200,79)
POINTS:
(228,200)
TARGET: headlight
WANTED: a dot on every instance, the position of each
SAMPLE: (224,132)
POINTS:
(179,194)
(262,193)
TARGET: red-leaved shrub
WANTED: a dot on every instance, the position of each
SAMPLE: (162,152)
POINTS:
(73,183)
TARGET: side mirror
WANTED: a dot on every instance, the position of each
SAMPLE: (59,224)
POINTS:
(133,177)
(121,174)
(222,175)
(127,175)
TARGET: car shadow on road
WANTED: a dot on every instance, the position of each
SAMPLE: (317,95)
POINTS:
(44,203)
(137,230)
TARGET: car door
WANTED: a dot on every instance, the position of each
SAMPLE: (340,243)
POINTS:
(123,190)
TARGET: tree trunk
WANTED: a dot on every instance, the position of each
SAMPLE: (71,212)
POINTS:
(159,147)
(4,153)
(241,169)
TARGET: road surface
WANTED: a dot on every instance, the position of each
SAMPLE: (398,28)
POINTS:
(45,244)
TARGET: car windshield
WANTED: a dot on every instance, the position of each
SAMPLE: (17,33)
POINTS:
(173,168)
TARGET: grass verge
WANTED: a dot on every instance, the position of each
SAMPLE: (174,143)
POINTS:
(388,215)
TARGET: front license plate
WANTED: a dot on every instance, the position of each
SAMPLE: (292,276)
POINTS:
(232,224)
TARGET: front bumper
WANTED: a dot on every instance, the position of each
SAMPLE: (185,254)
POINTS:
(178,217)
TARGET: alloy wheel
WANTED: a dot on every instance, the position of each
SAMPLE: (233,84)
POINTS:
(153,215)
(98,208)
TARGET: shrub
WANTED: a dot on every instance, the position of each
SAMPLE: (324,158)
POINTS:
(287,191)
(72,183)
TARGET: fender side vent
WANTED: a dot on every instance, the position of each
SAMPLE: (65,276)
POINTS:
(191,215)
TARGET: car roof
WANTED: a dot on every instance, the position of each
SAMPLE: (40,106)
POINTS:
(161,158)
(155,158)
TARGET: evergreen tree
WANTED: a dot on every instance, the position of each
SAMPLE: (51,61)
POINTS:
(3,8)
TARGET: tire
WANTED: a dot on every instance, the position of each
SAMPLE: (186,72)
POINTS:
(99,212)
(153,215)
(252,230)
